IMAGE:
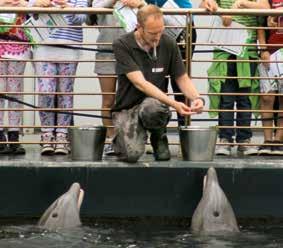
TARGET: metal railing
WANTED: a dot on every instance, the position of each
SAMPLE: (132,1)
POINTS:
(189,13)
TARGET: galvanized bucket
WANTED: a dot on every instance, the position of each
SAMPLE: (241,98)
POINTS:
(198,143)
(87,143)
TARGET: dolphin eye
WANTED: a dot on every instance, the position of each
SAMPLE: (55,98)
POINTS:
(216,214)
(54,215)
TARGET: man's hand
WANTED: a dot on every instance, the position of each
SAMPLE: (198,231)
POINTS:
(183,109)
(226,20)
(209,5)
(197,106)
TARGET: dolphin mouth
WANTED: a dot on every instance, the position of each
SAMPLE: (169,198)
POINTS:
(80,198)
(204,183)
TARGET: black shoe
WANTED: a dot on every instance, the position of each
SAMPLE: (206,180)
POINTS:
(160,146)
(265,149)
(277,150)
(15,149)
(3,147)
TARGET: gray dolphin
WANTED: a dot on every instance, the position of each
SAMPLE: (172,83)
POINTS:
(214,213)
(65,211)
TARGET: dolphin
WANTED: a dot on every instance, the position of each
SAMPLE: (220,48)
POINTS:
(65,211)
(214,214)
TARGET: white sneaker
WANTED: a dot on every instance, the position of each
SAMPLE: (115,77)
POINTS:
(247,150)
(223,149)
(47,149)
(62,148)
(109,150)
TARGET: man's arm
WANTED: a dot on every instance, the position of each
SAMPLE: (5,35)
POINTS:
(137,78)
(187,87)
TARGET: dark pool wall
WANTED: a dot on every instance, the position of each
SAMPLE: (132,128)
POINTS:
(164,190)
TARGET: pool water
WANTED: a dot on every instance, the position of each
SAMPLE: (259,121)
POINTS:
(145,235)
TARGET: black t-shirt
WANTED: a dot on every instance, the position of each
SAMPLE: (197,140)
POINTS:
(130,57)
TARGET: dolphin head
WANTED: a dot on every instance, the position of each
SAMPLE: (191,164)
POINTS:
(65,211)
(214,213)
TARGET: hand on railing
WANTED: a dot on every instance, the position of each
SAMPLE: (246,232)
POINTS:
(239,4)
(133,3)
(209,5)
(60,3)
(11,3)
(42,3)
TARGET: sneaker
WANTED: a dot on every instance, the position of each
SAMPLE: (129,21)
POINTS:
(47,149)
(109,150)
(265,150)
(15,149)
(277,150)
(148,149)
(159,143)
(225,150)
(63,147)
(247,150)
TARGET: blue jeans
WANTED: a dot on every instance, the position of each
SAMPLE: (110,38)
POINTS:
(242,103)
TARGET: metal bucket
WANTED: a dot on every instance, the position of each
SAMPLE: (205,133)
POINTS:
(198,143)
(87,143)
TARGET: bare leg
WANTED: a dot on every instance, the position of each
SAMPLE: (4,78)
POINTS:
(266,103)
(279,132)
(107,85)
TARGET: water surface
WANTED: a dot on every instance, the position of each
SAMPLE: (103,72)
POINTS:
(135,235)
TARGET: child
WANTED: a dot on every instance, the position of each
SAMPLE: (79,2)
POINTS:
(231,85)
(52,85)
(270,86)
(13,52)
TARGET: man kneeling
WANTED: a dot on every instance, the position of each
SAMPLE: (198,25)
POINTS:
(144,58)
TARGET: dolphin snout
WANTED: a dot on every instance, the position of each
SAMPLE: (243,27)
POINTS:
(81,198)
(79,192)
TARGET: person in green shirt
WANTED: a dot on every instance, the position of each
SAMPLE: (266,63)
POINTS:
(229,85)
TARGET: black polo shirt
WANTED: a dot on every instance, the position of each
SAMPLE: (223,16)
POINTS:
(130,57)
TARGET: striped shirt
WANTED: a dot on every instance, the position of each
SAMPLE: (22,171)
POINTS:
(71,34)
(249,21)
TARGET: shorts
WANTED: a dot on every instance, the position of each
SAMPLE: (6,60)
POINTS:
(270,85)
